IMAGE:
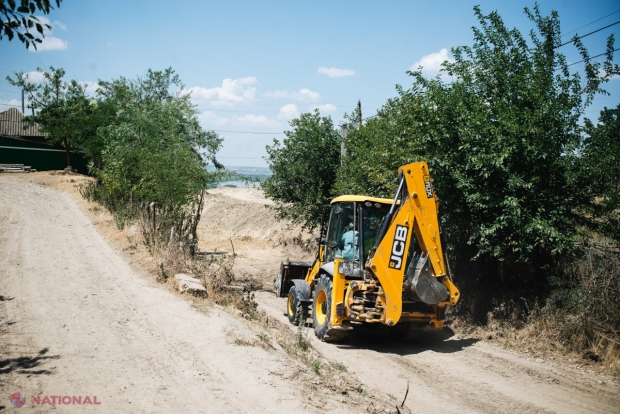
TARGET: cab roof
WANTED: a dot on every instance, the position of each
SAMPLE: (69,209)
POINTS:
(360,199)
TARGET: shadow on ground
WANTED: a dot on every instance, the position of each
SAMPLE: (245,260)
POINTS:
(378,338)
(25,364)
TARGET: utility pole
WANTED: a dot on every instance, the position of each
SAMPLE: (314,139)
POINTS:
(359,111)
(23,104)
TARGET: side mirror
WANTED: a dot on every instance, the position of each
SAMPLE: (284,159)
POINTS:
(333,244)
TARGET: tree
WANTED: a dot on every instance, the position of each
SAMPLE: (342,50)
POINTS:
(304,167)
(503,140)
(600,166)
(62,108)
(19,20)
(154,154)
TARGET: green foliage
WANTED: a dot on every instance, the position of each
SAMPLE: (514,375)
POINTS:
(63,110)
(502,139)
(154,156)
(17,18)
(304,167)
(601,170)
(152,149)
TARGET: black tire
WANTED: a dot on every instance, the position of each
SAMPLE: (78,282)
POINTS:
(399,331)
(293,306)
(321,307)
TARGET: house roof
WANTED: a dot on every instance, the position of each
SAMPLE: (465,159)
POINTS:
(12,125)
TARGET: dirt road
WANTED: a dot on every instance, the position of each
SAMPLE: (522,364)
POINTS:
(460,375)
(77,320)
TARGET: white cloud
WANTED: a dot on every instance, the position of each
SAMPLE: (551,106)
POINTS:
(34,77)
(49,42)
(304,95)
(209,118)
(337,73)
(323,108)
(12,103)
(232,91)
(59,25)
(288,112)
(602,72)
(431,64)
(257,120)
(91,87)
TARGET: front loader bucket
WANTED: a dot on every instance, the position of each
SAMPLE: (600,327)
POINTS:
(420,285)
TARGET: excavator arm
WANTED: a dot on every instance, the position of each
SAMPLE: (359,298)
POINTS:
(408,258)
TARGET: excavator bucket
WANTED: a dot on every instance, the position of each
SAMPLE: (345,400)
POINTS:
(421,285)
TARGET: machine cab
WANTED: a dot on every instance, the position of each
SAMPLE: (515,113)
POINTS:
(353,226)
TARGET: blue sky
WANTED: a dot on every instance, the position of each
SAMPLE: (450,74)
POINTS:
(252,65)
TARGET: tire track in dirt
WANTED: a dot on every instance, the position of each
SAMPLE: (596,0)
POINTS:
(450,374)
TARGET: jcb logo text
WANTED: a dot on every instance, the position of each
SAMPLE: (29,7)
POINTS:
(398,247)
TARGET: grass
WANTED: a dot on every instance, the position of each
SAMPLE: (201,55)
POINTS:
(244,342)
(339,366)
(264,338)
(315,366)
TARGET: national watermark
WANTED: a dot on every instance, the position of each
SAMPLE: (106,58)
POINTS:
(18,400)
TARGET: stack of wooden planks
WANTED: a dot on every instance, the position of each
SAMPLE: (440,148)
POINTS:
(15,168)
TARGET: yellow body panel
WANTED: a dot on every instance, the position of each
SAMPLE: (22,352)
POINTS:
(338,288)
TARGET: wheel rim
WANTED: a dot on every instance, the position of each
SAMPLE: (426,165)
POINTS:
(321,307)
(289,305)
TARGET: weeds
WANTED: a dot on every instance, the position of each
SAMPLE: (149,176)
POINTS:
(339,366)
(248,305)
(315,366)
(584,306)
(580,315)
(264,338)
(244,342)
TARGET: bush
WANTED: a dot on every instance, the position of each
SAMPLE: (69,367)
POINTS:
(585,303)
(153,162)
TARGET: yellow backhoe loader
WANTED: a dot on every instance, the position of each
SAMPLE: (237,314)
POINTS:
(379,261)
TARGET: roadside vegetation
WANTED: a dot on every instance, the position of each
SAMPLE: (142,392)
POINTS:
(529,188)
(146,149)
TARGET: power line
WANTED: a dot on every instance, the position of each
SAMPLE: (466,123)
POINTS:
(247,132)
(243,158)
(588,34)
(589,23)
(592,57)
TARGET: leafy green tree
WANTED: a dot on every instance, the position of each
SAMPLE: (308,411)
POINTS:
(601,170)
(62,108)
(154,154)
(17,18)
(503,140)
(304,167)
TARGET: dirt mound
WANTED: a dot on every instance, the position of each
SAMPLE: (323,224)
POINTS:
(246,218)
(244,214)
